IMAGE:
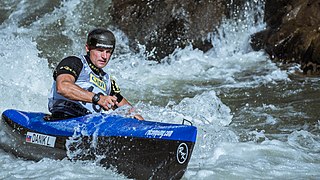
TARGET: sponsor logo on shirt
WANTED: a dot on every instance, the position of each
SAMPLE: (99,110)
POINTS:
(99,83)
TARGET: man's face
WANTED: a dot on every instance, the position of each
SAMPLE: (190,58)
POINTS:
(100,56)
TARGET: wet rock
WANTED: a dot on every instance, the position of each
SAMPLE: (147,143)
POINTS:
(292,33)
(164,25)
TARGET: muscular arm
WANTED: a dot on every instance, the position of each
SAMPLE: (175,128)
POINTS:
(66,87)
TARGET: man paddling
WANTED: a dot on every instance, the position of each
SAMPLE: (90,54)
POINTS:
(81,86)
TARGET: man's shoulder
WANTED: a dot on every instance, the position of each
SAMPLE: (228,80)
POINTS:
(72,59)
(69,65)
(73,62)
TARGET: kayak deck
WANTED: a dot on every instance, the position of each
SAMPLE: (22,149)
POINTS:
(138,149)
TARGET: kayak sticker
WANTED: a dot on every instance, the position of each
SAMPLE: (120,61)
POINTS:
(40,139)
(159,133)
(182,153)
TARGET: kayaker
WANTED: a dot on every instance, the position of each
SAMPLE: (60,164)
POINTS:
(81,86)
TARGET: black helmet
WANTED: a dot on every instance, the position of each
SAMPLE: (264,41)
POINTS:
(101,38)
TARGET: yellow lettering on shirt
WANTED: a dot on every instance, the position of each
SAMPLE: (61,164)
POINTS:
(95,80)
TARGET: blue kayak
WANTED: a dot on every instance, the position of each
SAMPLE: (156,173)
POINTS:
(137,149)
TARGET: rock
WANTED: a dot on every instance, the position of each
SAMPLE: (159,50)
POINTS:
(164,25)
(292,34)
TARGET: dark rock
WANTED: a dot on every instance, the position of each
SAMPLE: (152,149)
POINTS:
(293,33)
(164,25)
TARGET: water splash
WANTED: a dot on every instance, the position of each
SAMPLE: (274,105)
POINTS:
(25,78)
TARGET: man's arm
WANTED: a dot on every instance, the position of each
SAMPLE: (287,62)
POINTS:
(124,101)
(66,87)
(115,90)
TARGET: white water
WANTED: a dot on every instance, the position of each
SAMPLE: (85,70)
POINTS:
(188,84)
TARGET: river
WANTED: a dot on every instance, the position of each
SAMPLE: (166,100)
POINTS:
(256,119)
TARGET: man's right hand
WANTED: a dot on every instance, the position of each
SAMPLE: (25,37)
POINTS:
(107,102)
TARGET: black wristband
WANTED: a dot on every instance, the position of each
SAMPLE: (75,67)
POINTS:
(96,98)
